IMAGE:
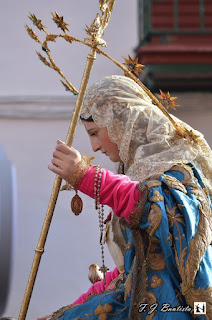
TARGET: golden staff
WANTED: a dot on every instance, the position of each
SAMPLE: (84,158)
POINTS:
(95,32)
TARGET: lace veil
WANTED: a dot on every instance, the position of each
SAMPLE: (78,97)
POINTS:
(146,139)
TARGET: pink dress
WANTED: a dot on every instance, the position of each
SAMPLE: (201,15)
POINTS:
(121,194)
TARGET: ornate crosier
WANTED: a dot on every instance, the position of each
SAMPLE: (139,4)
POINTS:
(95,31)
(94,39)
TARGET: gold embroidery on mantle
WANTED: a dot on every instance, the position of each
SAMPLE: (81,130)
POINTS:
(137,213)
(185,170)
(172,182)
(139,279)
(128,283)
(154,217)
(151,299)
(156,281)
(157,197)
(155,260)
(174,217)
(153,183)
(170,238)
(198,245)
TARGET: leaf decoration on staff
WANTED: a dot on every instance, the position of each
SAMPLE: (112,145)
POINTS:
(36,21)
(44,60)
(59,22)
(32,34)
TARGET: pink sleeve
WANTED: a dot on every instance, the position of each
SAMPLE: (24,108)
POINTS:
(117,191)
(98,287)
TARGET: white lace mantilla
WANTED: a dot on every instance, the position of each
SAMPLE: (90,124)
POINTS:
(146,139)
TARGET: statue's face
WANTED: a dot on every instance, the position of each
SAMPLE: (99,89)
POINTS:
(100,141)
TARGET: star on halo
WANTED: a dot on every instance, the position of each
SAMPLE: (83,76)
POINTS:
(133,65)
(167,100)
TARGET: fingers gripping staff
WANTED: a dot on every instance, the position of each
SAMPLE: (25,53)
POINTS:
(65,160)
(65,163)
(93,40)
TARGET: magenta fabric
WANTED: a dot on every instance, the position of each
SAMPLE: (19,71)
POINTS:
(117,191)
(121,194)
(98,287)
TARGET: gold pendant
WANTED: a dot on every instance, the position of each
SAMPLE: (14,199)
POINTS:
(76,204)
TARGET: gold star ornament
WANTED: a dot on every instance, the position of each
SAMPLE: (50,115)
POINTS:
(133,65)
(167,100)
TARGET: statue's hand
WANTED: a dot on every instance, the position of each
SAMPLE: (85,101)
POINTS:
(64,161)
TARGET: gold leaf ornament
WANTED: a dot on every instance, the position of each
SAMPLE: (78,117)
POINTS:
(36,21)
(32,34)
(59,21)
(67,88)
(44,60)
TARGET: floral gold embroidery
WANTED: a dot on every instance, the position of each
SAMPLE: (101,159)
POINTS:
(153,183)
(172,182)
(156,281)
(170,238)
(102,311)
(154,217)
(157,197)
(174,217)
